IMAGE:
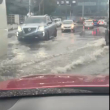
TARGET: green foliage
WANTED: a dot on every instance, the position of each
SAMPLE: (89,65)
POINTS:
(15,7)
(49,6)
(21,6)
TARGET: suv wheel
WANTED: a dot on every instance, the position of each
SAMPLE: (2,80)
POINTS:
(47,36)
(19,39)
(55,35)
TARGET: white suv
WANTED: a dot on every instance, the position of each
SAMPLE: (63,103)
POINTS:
(102,22)
(88,24)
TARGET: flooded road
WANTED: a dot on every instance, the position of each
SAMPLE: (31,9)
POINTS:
(81,52)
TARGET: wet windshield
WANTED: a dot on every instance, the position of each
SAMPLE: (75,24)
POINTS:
(33,45)
(35,20)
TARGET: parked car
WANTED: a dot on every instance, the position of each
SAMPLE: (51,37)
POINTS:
(88,24)
(68,25)
(39,27)
(107,34)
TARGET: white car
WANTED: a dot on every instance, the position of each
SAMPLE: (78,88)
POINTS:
(88,24)
(58,22)
(68,25)
(102,22)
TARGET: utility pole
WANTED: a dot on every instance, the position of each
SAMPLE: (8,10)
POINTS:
(42,2)
(70,11)
(83,10)
(67,3)
(39,9)
(98,7)
(29,7)
(108,9)
(43,7)
(66,11)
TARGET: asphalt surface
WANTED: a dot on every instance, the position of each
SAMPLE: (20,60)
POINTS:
(68,53)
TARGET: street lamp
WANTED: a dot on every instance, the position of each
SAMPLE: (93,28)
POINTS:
(73,2)
(58,3)
(67,2)
(62,2)
(108,9)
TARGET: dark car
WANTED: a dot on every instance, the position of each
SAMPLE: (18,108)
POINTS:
(39,27)
(107,34)
(95,21)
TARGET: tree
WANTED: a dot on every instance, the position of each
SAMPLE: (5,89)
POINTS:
(45,7)
(16,7)
(49,6)
(37,6)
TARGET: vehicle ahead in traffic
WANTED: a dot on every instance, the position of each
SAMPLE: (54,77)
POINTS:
(37,27)
(82,19)
(68,25)
(88,24)
(58,21)
(107,34)
(96,23)
(3,29)
(102,22)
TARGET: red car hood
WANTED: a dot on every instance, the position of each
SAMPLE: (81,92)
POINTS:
(52,81)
